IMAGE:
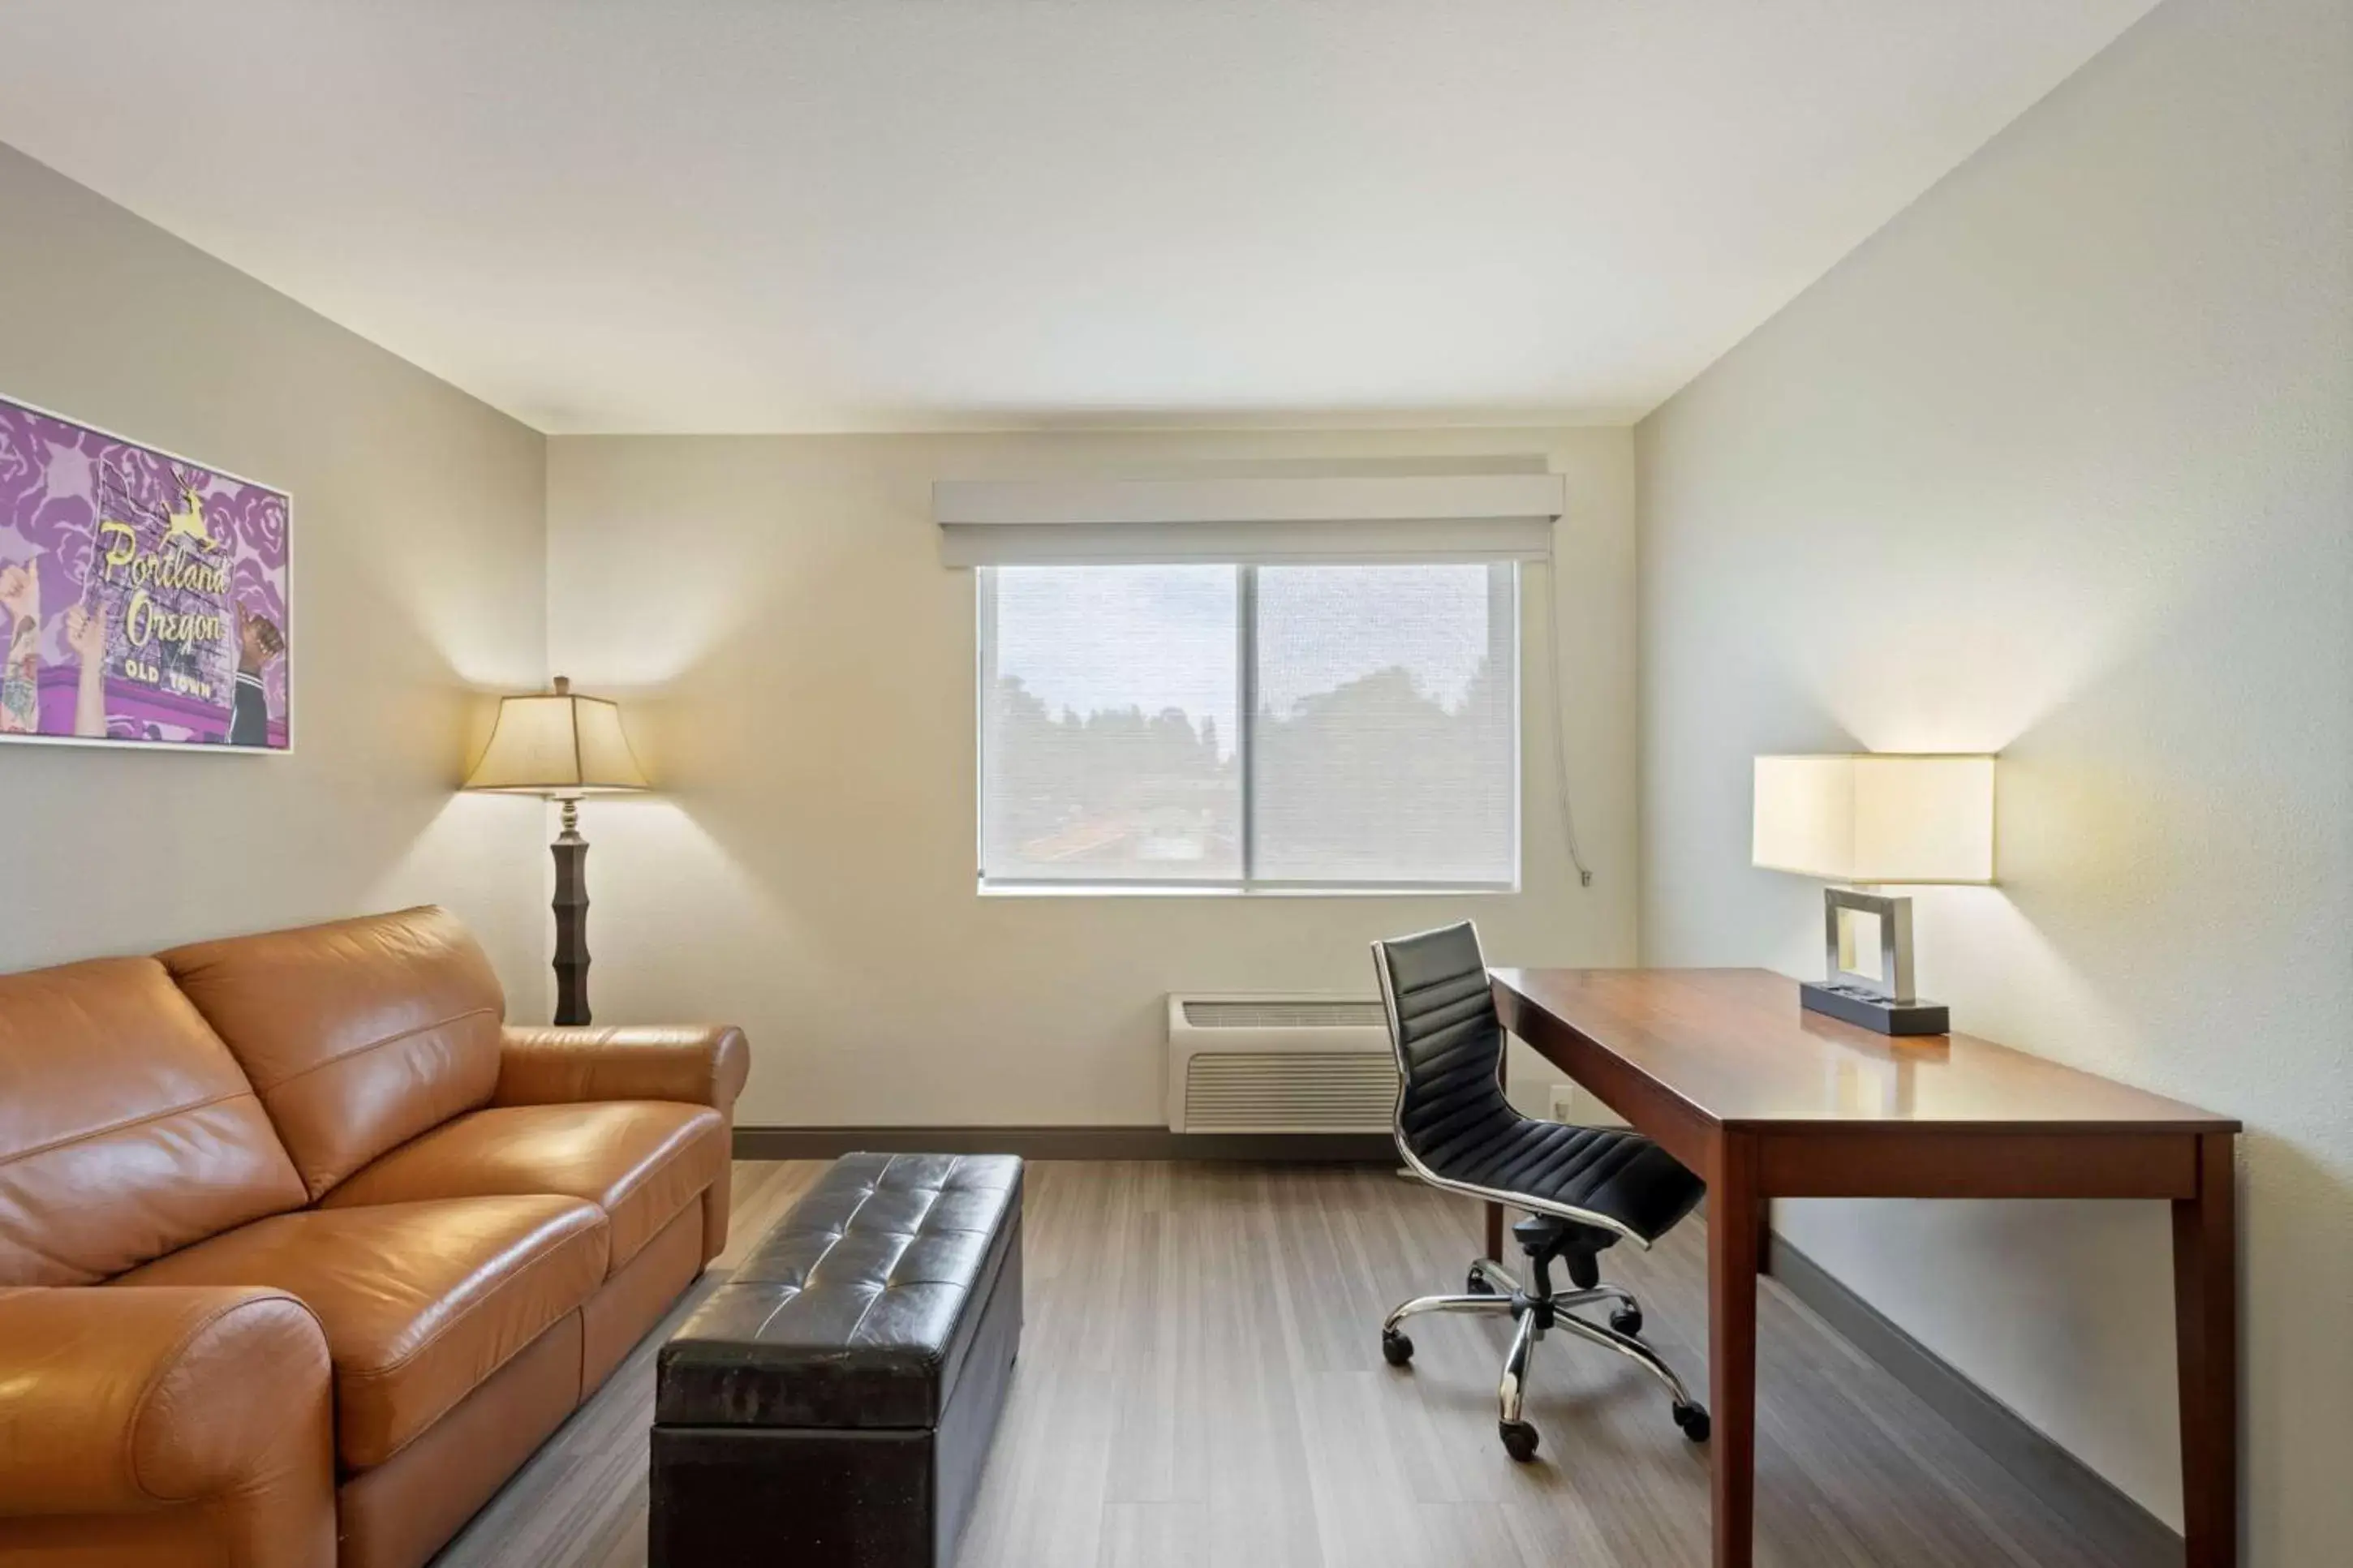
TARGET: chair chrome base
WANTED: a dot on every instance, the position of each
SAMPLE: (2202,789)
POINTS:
(1494,1291)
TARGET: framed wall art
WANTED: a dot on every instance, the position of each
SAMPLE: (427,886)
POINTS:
(145,599)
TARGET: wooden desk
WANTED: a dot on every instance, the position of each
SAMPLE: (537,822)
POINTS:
(1763,1100)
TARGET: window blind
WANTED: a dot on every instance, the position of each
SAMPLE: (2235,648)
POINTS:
(1249,726)
(1386,740)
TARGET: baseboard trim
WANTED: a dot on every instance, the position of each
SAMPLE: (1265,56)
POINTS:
(2073,1488)
(1138,1143)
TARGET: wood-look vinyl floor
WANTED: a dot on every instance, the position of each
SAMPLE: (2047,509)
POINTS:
(1200,1384)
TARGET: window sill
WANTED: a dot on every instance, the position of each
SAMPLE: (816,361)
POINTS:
(1231,890)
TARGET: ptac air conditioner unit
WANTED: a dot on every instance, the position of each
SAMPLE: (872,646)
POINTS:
(1279,1064)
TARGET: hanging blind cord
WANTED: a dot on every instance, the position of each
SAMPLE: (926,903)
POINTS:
(1560,718)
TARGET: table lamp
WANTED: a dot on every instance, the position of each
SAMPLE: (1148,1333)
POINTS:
(1872,820)
(562,745)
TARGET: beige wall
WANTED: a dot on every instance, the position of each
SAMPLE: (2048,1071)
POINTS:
(2057,464)
(419,576)
(801,671)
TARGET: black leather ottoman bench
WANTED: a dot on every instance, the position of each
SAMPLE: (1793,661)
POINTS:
(831,1404)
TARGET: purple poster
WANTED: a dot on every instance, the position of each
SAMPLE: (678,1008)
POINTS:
(142,597)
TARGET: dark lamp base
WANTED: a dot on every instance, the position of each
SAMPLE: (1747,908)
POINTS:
(571,928)
(1855,1005)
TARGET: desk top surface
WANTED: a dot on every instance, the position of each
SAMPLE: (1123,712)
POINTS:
(1734,1045)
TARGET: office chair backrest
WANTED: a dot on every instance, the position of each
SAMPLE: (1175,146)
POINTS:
(1449,1039)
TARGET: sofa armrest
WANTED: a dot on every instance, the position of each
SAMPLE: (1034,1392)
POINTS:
(699,1065)
(115,1400)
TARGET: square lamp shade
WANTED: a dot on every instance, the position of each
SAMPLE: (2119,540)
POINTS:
(1876,819)
(558,743)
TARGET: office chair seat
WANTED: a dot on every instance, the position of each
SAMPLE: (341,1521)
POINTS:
(1584,1188)
(1544,1166)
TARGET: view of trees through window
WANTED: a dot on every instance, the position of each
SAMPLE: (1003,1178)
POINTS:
(1382,746)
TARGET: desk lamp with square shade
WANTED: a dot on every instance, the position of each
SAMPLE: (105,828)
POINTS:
(1873,820)
(562,745)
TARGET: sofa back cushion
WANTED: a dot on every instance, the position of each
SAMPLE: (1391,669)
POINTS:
(127,1130)
(359,1035)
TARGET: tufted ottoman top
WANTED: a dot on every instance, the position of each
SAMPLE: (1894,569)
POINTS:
(858,1308)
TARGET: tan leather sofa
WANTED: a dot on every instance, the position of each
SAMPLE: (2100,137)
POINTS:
(303,1251)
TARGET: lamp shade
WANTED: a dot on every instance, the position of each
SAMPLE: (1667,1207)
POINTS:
(558,743)
(1876,819)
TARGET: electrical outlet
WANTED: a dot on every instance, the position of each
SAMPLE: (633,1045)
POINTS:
(1571,1104)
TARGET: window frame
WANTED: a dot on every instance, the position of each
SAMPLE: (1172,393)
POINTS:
(1505,597)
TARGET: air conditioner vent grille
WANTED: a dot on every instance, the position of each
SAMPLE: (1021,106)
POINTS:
(1295,1092)
(1308,1015)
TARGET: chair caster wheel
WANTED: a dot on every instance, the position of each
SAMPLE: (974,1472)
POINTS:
(1626,1321)
(1694,1421)
(1519,1439)
(1478,1284)
(1395,1349)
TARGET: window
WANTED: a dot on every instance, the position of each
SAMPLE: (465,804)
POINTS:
(1249,728)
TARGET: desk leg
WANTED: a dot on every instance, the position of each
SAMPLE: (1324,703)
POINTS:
(1734,1221)
(1494,1233)
(2206,1341)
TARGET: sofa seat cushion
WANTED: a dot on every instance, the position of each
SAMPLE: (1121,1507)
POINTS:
(420,1301)
(643,1162)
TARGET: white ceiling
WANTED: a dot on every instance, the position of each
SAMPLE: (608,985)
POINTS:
(838,214)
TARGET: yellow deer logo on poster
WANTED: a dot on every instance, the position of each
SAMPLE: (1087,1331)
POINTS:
(188,522)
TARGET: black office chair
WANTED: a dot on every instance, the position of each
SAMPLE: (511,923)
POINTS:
(1583,1188)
